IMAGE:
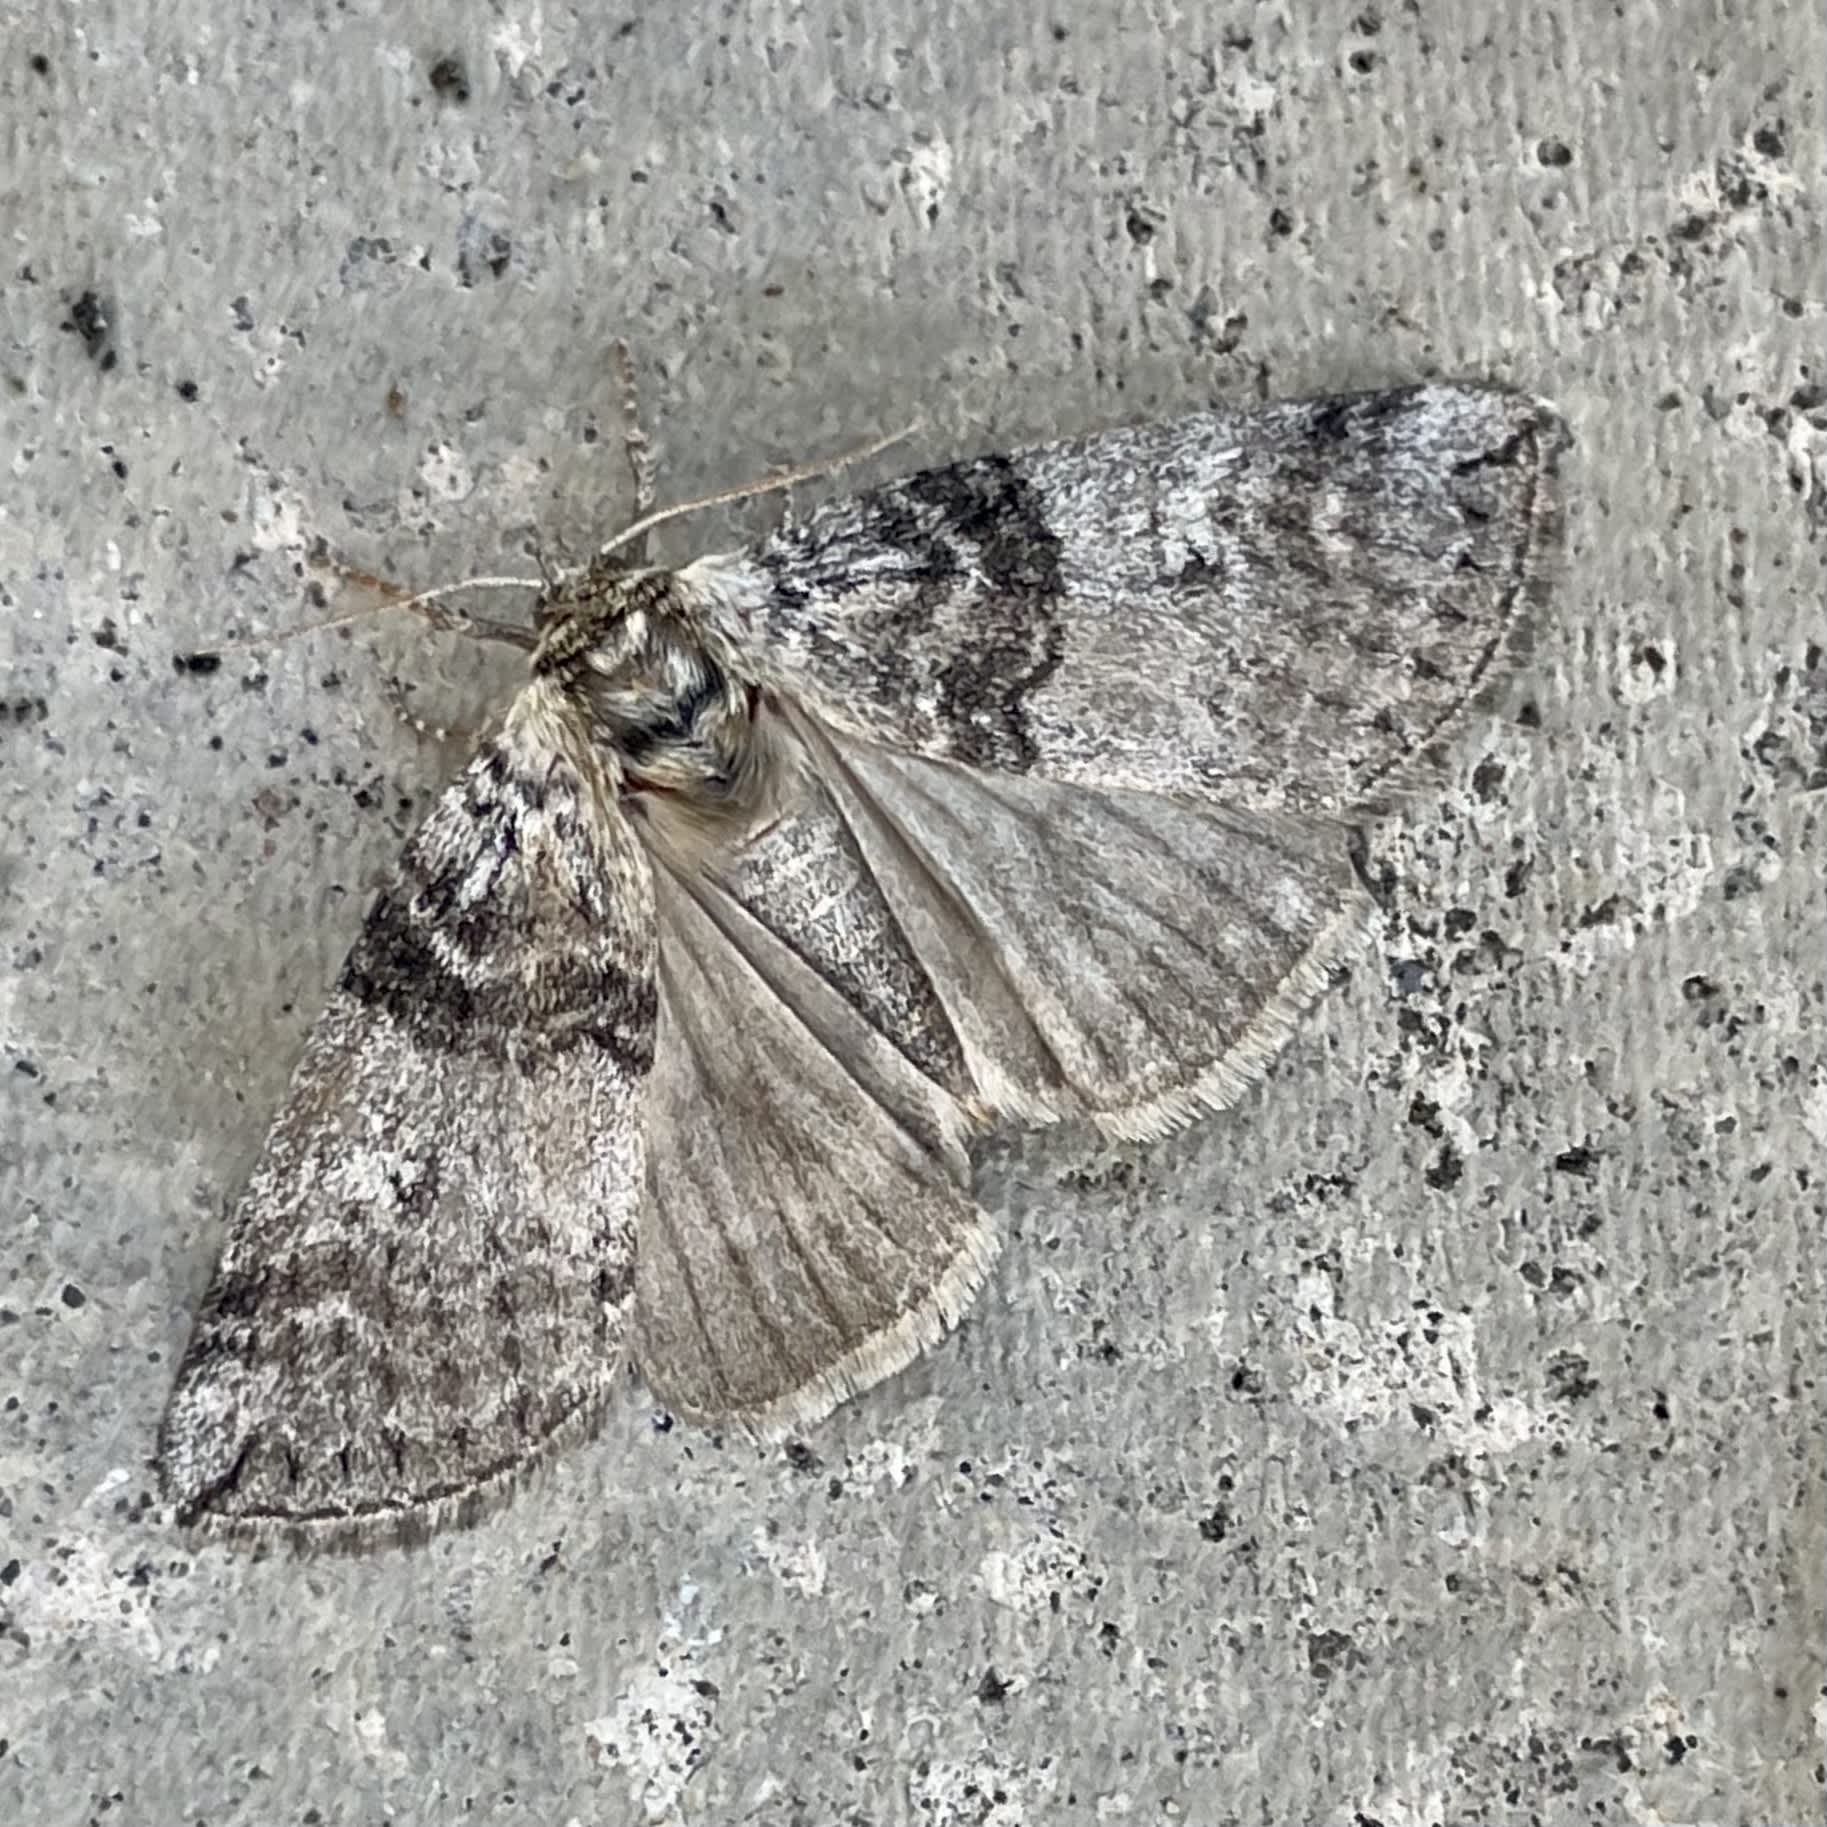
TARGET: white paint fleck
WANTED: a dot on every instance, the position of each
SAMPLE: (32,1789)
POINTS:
(880,1460)
(1805,446)
(919,1598)
(1659,866)
(521,487)
(981,1792)
(279,519)
(1702,192)
(801,1564)
(1027,1578)
(520,38)
(658,1731)
(1249,96)
(445,475)
(1814,1112)
(927,177)
(1376,1375)
(1448,1086)
(1635,682)
(85,1597)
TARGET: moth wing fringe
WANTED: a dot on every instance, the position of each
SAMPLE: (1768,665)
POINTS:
(1229,1079)
(879,1357)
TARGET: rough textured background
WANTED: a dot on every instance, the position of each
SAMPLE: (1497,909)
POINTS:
(1434,1439)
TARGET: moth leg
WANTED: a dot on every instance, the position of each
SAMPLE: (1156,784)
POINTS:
(428,604)
(399,700)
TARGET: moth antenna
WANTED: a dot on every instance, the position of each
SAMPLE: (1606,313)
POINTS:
(426,603)
(634,437)
(768,485)
(430,604)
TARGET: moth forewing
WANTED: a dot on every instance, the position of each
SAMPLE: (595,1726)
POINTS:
(1283,608)
(427,1279)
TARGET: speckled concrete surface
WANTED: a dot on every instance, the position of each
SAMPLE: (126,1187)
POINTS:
(1433,1439)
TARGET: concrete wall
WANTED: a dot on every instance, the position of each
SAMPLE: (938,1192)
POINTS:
(1433,1439)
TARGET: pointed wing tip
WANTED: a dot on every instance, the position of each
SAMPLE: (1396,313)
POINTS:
(207,1523)
(1529,435)
(219,1512)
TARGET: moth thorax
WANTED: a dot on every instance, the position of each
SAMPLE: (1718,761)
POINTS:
(694,743)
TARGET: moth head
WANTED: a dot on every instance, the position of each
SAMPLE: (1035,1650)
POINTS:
(597,606)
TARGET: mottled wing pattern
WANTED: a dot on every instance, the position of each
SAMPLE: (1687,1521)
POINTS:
(808,1228)
(1281,608)
(428,1277)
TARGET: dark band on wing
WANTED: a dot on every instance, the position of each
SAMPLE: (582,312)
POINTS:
(569,999)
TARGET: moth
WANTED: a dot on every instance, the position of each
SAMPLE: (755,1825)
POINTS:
(1015,791)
